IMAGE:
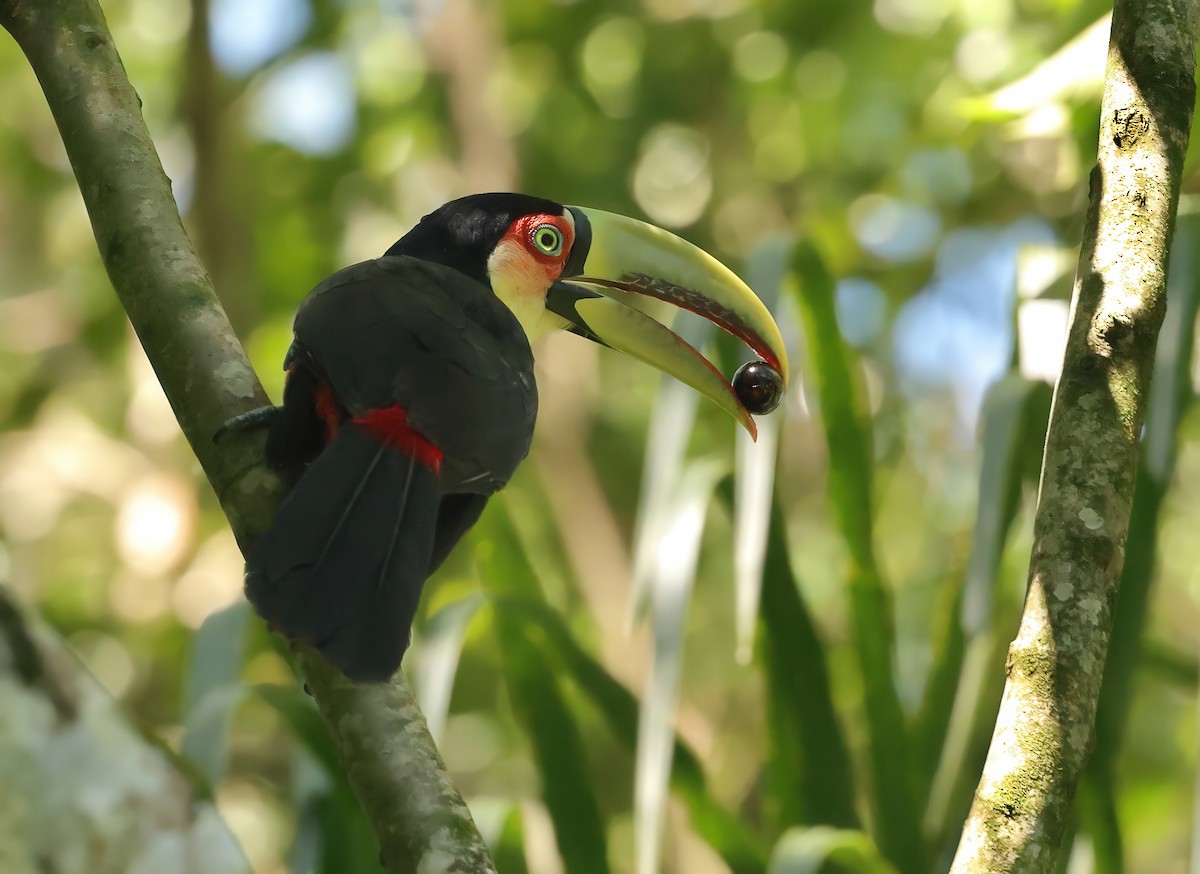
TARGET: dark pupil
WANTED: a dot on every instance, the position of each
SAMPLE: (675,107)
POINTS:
(547,240)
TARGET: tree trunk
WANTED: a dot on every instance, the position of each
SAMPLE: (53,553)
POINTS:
(1044,729)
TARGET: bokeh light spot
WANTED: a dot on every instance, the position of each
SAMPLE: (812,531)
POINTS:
(308,105)
(389,66)
(983,55)
(941,175)
(861,310)
(893,229)
(915,17)
(212,582)
(820,75)
(611,58)
(245,35)
(672,182)
(154,523)
(760,56)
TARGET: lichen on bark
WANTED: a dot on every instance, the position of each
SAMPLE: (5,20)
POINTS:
(1056,662)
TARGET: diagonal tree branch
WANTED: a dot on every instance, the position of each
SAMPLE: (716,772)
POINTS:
(1054,668)
(418,816)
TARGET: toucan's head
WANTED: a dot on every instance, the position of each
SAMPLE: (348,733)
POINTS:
(569,267)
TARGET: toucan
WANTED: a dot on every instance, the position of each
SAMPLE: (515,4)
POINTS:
(410,397)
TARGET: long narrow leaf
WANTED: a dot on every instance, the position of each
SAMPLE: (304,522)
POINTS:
(754,478)
(1074,74)
(300,713)
(754,463)
(725,833)
(1015,413)
(671,591)
(345,841)
(309,786)
(896,820)
(537,701)
(1014,425)
(437,663)
(810,778)
(213,689)
(509,850)
(963,693)
(666,448)
(814,850)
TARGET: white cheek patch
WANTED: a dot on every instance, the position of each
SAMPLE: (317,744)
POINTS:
(520,282)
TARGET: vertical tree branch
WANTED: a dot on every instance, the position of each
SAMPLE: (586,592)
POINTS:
(418,816)
(462,45)
(1054,668)
(1169,402)
(218,219)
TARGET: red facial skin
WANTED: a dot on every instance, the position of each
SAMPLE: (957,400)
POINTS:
(522,230)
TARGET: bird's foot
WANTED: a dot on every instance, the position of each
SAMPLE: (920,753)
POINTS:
(256,418)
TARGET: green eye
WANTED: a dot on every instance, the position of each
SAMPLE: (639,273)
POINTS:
(548,239)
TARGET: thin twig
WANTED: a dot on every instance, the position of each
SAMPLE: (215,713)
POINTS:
(1023,802)
(419,818)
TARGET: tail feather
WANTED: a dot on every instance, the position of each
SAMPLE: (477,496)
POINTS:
(455,517)
(343,563)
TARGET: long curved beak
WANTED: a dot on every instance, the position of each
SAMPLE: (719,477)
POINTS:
(615,257)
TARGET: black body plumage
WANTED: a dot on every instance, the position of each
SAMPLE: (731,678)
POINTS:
(344,562)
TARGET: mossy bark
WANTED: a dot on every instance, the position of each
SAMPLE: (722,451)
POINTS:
(418,816)
(1044,729)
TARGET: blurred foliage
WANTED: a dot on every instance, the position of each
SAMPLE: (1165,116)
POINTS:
(934,152)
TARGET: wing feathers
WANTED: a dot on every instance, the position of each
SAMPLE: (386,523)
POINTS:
(344,562)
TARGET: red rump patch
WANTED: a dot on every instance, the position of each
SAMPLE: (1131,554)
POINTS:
(390,425)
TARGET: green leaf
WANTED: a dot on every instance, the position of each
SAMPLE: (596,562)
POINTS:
(810,778)
(214,690)
(851,463)
(347,842)
(300,713)
(961,694)
(824,849)
(725,833)
(754,463)
(509,850)
(670,594)
(1015,413)
(754,483)
(332,835)
(558,750)
(1074,74)
(670,429)
(440,647)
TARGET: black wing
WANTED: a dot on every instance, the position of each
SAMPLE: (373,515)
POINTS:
(399,330)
